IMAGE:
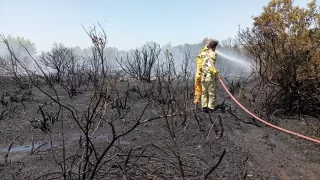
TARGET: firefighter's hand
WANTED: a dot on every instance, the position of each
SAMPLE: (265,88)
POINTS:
(217,75)
(213,71)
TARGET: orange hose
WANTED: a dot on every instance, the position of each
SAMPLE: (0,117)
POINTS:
(265,122)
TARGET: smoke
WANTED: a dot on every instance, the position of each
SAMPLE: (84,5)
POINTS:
(230,62)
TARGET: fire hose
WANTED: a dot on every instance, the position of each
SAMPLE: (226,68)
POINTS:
(263,121)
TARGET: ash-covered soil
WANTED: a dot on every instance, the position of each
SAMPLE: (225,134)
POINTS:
(226,144)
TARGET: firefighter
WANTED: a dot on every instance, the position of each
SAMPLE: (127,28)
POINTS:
(198,86)
(206,75)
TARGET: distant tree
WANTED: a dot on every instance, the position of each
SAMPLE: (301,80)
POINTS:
(78,51)
(18,45)
(57,59)
(205,41)
(230,44)
(284,43)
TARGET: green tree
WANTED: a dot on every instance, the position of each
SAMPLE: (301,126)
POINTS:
(284,42)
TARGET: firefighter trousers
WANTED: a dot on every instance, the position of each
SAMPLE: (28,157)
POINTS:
(208,95)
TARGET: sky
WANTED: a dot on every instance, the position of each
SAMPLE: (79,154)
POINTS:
(128,23)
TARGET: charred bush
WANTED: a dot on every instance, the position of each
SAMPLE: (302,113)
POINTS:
(139,65)
(57,60)
(4,99)
(46,120)
(74,77)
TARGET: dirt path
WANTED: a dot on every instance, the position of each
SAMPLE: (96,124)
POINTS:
(282,155)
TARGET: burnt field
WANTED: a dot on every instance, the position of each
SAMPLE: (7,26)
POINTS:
(137,130)
(91,111)
(86,119)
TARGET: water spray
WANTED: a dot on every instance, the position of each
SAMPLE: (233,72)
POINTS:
(238,60)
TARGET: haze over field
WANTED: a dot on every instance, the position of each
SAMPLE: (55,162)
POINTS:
(128,24)
(178,26)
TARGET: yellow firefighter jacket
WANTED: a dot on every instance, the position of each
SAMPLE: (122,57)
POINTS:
(204,70)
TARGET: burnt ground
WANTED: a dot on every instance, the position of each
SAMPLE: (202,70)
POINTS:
(192,139)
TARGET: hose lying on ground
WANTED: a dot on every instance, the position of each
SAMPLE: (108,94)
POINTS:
(263,121)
